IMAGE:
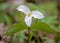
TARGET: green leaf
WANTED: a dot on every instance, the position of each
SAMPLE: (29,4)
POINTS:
(3,6)
(46,40)
(14,39)
(2,16)
(8,20)
(15,28)
(35,7)
(32,6)
(42,26)
(57,28)
(21,36)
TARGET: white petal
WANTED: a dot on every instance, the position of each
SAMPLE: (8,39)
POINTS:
(24,9)
(37,14)
(28,21)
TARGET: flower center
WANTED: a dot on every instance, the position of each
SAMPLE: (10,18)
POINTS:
(29,15)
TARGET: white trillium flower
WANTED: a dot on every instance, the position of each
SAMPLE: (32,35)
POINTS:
(29,14)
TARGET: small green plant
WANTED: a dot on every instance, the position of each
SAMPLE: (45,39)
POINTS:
(28,22)
(29,15)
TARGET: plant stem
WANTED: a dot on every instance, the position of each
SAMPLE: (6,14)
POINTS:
(28,34)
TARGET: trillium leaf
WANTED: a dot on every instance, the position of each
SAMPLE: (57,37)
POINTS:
(15,28)
(57,28)
(42,26)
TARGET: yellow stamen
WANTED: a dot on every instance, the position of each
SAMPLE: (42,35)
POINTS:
(29,15)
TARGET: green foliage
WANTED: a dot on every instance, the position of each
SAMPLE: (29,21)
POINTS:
(19,35)
(21,26)
(3,6)
(57,38)
(42,26)
(1,16)
(46,40)
(57,28)
(33,7)
(16,28)
(7,20)
(48,8)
